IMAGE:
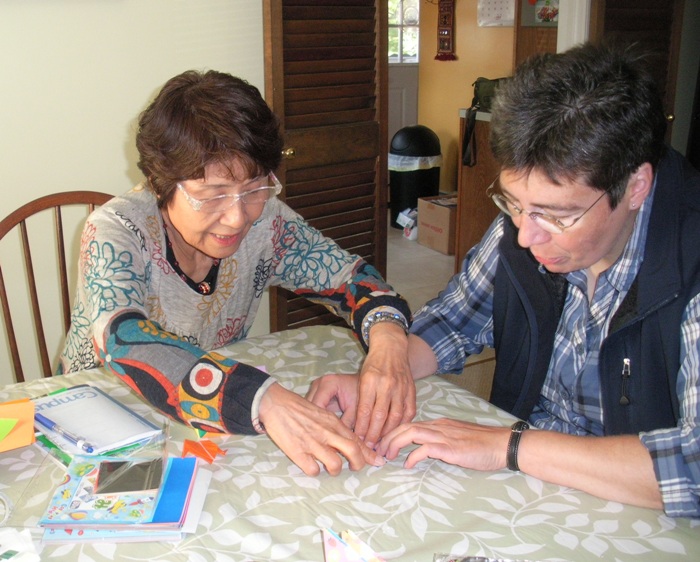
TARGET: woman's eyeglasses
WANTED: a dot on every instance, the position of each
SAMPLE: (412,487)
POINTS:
(255,197)
(546,222)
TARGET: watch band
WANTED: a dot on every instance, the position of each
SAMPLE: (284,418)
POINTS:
(516,432)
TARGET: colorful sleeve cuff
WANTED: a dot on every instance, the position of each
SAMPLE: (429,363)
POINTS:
(255,408)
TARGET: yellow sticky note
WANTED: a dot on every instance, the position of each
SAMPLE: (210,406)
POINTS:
(16,424)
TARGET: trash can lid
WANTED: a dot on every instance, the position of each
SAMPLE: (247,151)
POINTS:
(416,140)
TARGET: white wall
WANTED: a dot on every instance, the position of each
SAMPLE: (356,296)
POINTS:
(76,74)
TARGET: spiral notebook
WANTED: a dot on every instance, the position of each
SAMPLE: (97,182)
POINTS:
(96,417)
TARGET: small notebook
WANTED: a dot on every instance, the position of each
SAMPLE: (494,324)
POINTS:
(96,417)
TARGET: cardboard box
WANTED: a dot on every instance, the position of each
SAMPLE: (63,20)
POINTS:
(436,223)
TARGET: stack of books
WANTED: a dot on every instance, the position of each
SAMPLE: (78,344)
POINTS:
(119,486)
(135,501)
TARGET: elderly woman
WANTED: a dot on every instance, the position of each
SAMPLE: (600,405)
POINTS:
(176,268)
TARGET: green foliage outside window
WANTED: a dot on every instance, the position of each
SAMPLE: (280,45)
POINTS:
(404,18)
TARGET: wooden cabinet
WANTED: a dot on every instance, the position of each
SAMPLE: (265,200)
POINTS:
(475,211)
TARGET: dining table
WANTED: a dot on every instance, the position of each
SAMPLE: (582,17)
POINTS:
(260,506)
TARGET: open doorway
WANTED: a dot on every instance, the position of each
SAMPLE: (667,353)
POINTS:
(404,21)
(403,97)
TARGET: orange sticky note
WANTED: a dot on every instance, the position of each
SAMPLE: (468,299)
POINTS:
(16,424)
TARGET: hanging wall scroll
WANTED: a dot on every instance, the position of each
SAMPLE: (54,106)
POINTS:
(445,30)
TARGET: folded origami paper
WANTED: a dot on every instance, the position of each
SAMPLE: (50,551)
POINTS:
(16,424)
(346,548)
(204,449)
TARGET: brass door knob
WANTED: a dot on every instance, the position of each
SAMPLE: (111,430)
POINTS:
(670,117)
(289,153)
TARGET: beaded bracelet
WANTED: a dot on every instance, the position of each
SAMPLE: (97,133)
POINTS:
(382,314)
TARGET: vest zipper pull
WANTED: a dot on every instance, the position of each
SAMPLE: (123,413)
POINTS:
(624,400)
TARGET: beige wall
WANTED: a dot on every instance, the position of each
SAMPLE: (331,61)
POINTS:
(76,74)
(446,86)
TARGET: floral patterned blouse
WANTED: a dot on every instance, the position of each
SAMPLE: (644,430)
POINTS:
(135,315)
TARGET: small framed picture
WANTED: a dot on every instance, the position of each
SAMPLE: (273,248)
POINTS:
(539,13)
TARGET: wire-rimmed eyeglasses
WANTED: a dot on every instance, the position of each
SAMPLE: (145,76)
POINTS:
(546,222)
(258,196)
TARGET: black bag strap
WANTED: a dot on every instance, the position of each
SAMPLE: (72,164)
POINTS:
(469,138)
(484,90)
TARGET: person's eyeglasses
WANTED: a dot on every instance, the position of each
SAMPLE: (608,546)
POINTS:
(546,222)
(255,197)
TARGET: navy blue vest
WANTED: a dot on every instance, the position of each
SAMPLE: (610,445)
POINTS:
(645,329)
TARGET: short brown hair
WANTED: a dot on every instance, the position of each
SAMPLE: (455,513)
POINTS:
(593,113)
(202,118)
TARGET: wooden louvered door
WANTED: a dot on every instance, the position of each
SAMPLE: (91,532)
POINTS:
(656,26)
(325,76)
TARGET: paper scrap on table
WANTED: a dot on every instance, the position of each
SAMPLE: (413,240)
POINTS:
(347,548)
(453,558)
(17,546)
(16,424)
(204,449)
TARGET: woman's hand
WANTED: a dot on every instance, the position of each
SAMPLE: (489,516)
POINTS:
(387,393)
(310,435)
(338,394)
(384,394)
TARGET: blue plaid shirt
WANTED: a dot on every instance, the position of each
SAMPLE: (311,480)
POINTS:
(459,322)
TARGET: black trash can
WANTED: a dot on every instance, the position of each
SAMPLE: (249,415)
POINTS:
(414,168)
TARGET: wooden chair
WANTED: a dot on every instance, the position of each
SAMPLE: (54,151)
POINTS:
(56,201)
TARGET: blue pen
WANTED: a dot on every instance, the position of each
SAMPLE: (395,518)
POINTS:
(53,426)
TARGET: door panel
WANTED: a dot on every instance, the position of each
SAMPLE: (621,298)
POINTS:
(317,146)
(325,76)
(403,97)
(693,152)
(654,25)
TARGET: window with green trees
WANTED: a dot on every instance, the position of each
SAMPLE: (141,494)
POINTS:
(404,17)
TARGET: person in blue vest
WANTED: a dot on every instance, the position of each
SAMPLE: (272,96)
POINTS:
(587,285)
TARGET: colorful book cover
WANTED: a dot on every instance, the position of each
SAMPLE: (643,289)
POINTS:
(64,535)
(77,503)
